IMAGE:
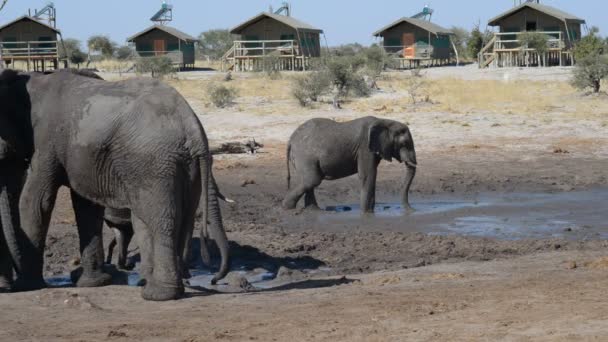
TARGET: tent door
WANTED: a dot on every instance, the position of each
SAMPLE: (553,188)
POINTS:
(159,47)
(409,45)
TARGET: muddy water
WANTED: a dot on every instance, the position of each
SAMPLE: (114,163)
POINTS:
(571,215)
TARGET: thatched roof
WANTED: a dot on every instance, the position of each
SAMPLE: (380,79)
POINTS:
(548,10)
(25,17)
(170,30)
(289,21)
(423,24)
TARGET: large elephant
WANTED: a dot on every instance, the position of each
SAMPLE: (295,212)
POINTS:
(322,149)
(133,144)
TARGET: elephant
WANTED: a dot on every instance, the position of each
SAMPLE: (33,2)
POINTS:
(119,221)
(133,144)
(322,149)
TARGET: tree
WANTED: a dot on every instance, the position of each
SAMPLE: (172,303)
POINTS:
(460,39)
(214,43)
(101,44)
(77,57)
(539,42)
(124,52)
(590,45)
(475,43)
(68,47)
(158,67)
(590,71)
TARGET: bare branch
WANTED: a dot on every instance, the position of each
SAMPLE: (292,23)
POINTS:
(3,4)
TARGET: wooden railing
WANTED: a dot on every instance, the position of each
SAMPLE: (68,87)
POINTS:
(504,42)
(261,48)
(24,50)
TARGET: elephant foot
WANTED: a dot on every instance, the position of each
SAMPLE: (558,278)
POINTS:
(90,279)
(24,284)
(155,292)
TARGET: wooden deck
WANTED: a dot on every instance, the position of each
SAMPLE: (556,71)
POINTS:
(406,59)
(36,54)
(260,55)
(504,51)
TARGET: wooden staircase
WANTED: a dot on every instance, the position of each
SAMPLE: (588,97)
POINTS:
(486,57)
(229,60)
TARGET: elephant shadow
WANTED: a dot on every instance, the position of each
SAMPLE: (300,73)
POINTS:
(245,257)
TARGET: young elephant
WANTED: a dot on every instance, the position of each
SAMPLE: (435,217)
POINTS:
(322,149)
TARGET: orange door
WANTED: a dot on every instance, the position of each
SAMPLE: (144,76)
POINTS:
(159,47)
(409,45)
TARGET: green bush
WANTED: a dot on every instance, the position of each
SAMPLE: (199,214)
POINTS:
(590,45)
(535,40)
(220,95)
(156,66)
(77,57)
(272,66)
(310,87)
(590,71)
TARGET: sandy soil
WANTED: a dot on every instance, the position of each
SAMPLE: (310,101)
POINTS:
(365,280)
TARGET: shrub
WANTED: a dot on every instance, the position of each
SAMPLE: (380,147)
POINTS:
(310,87)
(590,45)
(272,66)
(343,75)
(590,71)
(220,95)
(156,66)
(124,53)
(535,40)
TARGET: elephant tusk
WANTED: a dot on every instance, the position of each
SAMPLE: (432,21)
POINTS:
(410,164)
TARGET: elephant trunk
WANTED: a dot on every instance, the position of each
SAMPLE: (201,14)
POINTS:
(216,230)
(408,156)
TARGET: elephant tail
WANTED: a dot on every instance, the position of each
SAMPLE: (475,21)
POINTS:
(288,165)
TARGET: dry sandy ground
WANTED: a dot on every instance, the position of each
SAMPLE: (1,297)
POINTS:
(399,284)
(545,297)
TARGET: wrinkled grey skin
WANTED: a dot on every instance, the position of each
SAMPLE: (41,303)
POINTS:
(322,149)
(133,144)
(119,221)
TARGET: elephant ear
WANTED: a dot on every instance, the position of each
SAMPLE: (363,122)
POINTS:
(380,141)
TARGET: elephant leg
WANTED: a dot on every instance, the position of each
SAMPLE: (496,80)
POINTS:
(111,247)
(310,180)
(36,205)
(125,235)
(144,241)
(310,201)
(6,265)
(89,219)
(164,226)
(367,175)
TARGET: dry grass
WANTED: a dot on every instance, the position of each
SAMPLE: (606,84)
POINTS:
(464,96)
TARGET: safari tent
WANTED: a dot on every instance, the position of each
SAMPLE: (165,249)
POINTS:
(162,40)
(29,40)
(413,40)
(562,29)
(289,41)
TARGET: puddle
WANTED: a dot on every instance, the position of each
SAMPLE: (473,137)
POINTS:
(572,215)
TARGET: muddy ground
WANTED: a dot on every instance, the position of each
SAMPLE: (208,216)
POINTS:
(372,279)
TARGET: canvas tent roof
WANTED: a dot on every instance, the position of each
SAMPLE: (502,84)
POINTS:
(423,24)
(25,17)
(170,30)
(289,21)
(552,11)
